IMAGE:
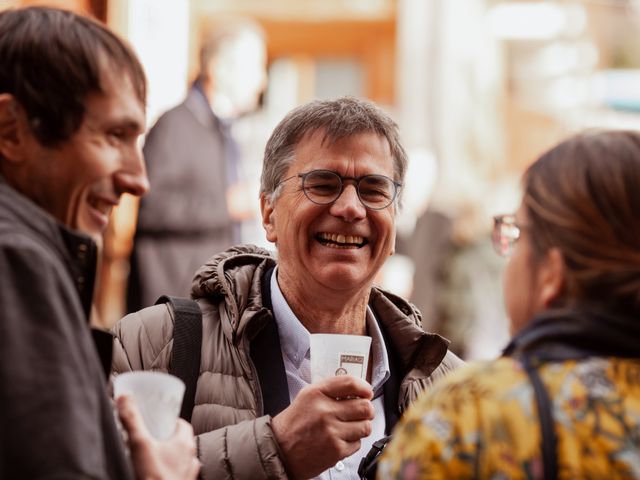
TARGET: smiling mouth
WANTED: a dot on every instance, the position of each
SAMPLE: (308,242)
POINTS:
(338,240)
(102,206)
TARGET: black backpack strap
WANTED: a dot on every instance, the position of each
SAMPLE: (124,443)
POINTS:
(187,344)
(367,470)
(549,440)
(266,355)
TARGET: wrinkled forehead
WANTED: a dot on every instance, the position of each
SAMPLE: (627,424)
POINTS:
(351,155)
(324,139)
(326,135)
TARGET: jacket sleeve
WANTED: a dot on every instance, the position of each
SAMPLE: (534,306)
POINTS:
(244,451)
(48,393)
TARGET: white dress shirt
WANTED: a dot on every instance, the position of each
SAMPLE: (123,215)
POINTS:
(294,342)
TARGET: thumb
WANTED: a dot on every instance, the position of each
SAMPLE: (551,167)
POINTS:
(131,419)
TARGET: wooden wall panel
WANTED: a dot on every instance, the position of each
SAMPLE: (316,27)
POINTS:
(95,8)
(370,42)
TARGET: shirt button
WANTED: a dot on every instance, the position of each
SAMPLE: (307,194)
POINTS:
(339,466)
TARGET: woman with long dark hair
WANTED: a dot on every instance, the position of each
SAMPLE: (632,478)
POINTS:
(564,399)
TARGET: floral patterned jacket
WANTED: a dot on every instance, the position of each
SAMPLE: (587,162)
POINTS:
(482,422)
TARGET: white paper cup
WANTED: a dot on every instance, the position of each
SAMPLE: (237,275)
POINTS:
(334,354)
(158,396)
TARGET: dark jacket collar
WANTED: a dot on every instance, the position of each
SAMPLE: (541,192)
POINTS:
(562,334)
(77,251)
(416,349)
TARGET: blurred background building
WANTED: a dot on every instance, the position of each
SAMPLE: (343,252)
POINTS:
(478,87)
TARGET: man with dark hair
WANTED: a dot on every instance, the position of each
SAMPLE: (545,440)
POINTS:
(331,180)
(198,198)
(72,106)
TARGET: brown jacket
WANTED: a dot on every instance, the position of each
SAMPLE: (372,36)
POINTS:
(231,414)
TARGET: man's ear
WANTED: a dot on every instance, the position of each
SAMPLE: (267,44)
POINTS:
(268,218)
(551,278)
(10,145)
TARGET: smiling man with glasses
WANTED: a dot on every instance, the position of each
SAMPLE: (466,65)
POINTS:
(330,186)
(323,187)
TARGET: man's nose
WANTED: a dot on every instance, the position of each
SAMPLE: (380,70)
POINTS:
(132,178)
(348,204)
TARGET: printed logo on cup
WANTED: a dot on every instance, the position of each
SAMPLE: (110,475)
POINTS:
(351,365)
(334,355)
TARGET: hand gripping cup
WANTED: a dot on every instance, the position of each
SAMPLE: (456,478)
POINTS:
(157,395)
(334,354)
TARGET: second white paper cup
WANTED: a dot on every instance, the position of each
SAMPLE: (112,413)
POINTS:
(334,354)
(158,396)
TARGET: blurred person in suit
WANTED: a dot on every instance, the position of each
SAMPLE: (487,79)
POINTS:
(198,198)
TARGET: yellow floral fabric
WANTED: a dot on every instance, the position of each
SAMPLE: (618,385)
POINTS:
(481,422)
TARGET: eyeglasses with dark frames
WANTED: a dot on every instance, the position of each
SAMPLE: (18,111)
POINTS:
(506,233)
(323,187)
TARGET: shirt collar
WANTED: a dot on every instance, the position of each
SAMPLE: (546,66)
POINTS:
(295,344)
(294,337)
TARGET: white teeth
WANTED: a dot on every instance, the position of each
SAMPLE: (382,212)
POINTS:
(342,239)
(100,205)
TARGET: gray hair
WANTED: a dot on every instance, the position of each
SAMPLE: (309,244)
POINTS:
(338,119)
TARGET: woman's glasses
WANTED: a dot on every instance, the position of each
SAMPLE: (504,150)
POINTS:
(505,234)
(324,187)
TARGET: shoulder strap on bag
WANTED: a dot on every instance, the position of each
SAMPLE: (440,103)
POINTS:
(187,343)
(549,440)
(266,355)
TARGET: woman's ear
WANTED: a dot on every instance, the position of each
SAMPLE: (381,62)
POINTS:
(551,278)
(268,218)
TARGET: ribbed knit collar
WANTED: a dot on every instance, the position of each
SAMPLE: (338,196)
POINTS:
(583,331)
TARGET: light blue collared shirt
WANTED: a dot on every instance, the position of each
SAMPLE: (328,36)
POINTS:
(295,345)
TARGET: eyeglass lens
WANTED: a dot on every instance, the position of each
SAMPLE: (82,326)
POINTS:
(505,235)
(324,187)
